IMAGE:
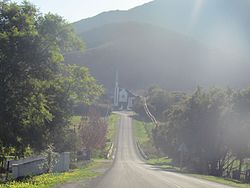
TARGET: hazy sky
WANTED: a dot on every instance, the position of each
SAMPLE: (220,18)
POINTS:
(75,10)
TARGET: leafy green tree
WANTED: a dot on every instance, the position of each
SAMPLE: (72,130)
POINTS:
(207,131)
(196,123)
(159,102)
(238,126)
(37,90)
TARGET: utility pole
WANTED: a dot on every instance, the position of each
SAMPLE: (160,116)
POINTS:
(116,92)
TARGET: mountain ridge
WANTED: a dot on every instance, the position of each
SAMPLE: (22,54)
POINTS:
(137,49)
(203,20)
(175,44)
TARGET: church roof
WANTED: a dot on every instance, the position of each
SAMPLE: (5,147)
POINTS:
(130,94)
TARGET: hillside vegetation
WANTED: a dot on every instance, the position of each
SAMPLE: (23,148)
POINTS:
(206,132)
(37,90)
(152,44)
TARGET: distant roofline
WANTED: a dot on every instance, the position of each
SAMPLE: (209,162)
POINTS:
(127,91)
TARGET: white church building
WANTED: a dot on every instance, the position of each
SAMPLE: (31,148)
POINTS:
(123,98)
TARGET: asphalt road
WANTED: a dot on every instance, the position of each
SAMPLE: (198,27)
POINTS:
(129,171)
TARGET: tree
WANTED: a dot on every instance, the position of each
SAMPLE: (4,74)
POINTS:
(196,122)
(238,127)
(212,125)
(37,90)
(159,102)
(92,131)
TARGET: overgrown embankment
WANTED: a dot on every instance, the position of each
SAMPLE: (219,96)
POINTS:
(83,171)
(204,132)
(143,135)
(50,180)
(111,134)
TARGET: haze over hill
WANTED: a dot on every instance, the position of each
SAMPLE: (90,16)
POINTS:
(217,22)
(176,44)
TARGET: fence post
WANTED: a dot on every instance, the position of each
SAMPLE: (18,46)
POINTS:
(7,170)
(15,173)
(66,161)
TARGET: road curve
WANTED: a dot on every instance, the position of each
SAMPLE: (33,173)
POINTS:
(129,171)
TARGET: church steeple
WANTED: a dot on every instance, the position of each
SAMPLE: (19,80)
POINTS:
(116,92)
(116,79)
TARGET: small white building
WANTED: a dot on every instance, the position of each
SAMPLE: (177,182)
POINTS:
(123,98)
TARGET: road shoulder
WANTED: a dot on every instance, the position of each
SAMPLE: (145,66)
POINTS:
(100,170)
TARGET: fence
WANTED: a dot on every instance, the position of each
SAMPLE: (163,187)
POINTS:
(35,165)
(27,168)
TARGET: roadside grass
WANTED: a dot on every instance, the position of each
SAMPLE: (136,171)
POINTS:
(82,173)
(112,126)
(50,180)
(143,135)
(112,131)
(163,163)
(229,182)
(160,161)
(143,131)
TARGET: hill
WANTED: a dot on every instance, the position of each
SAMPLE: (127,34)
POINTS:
(222,24)
(147,54)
